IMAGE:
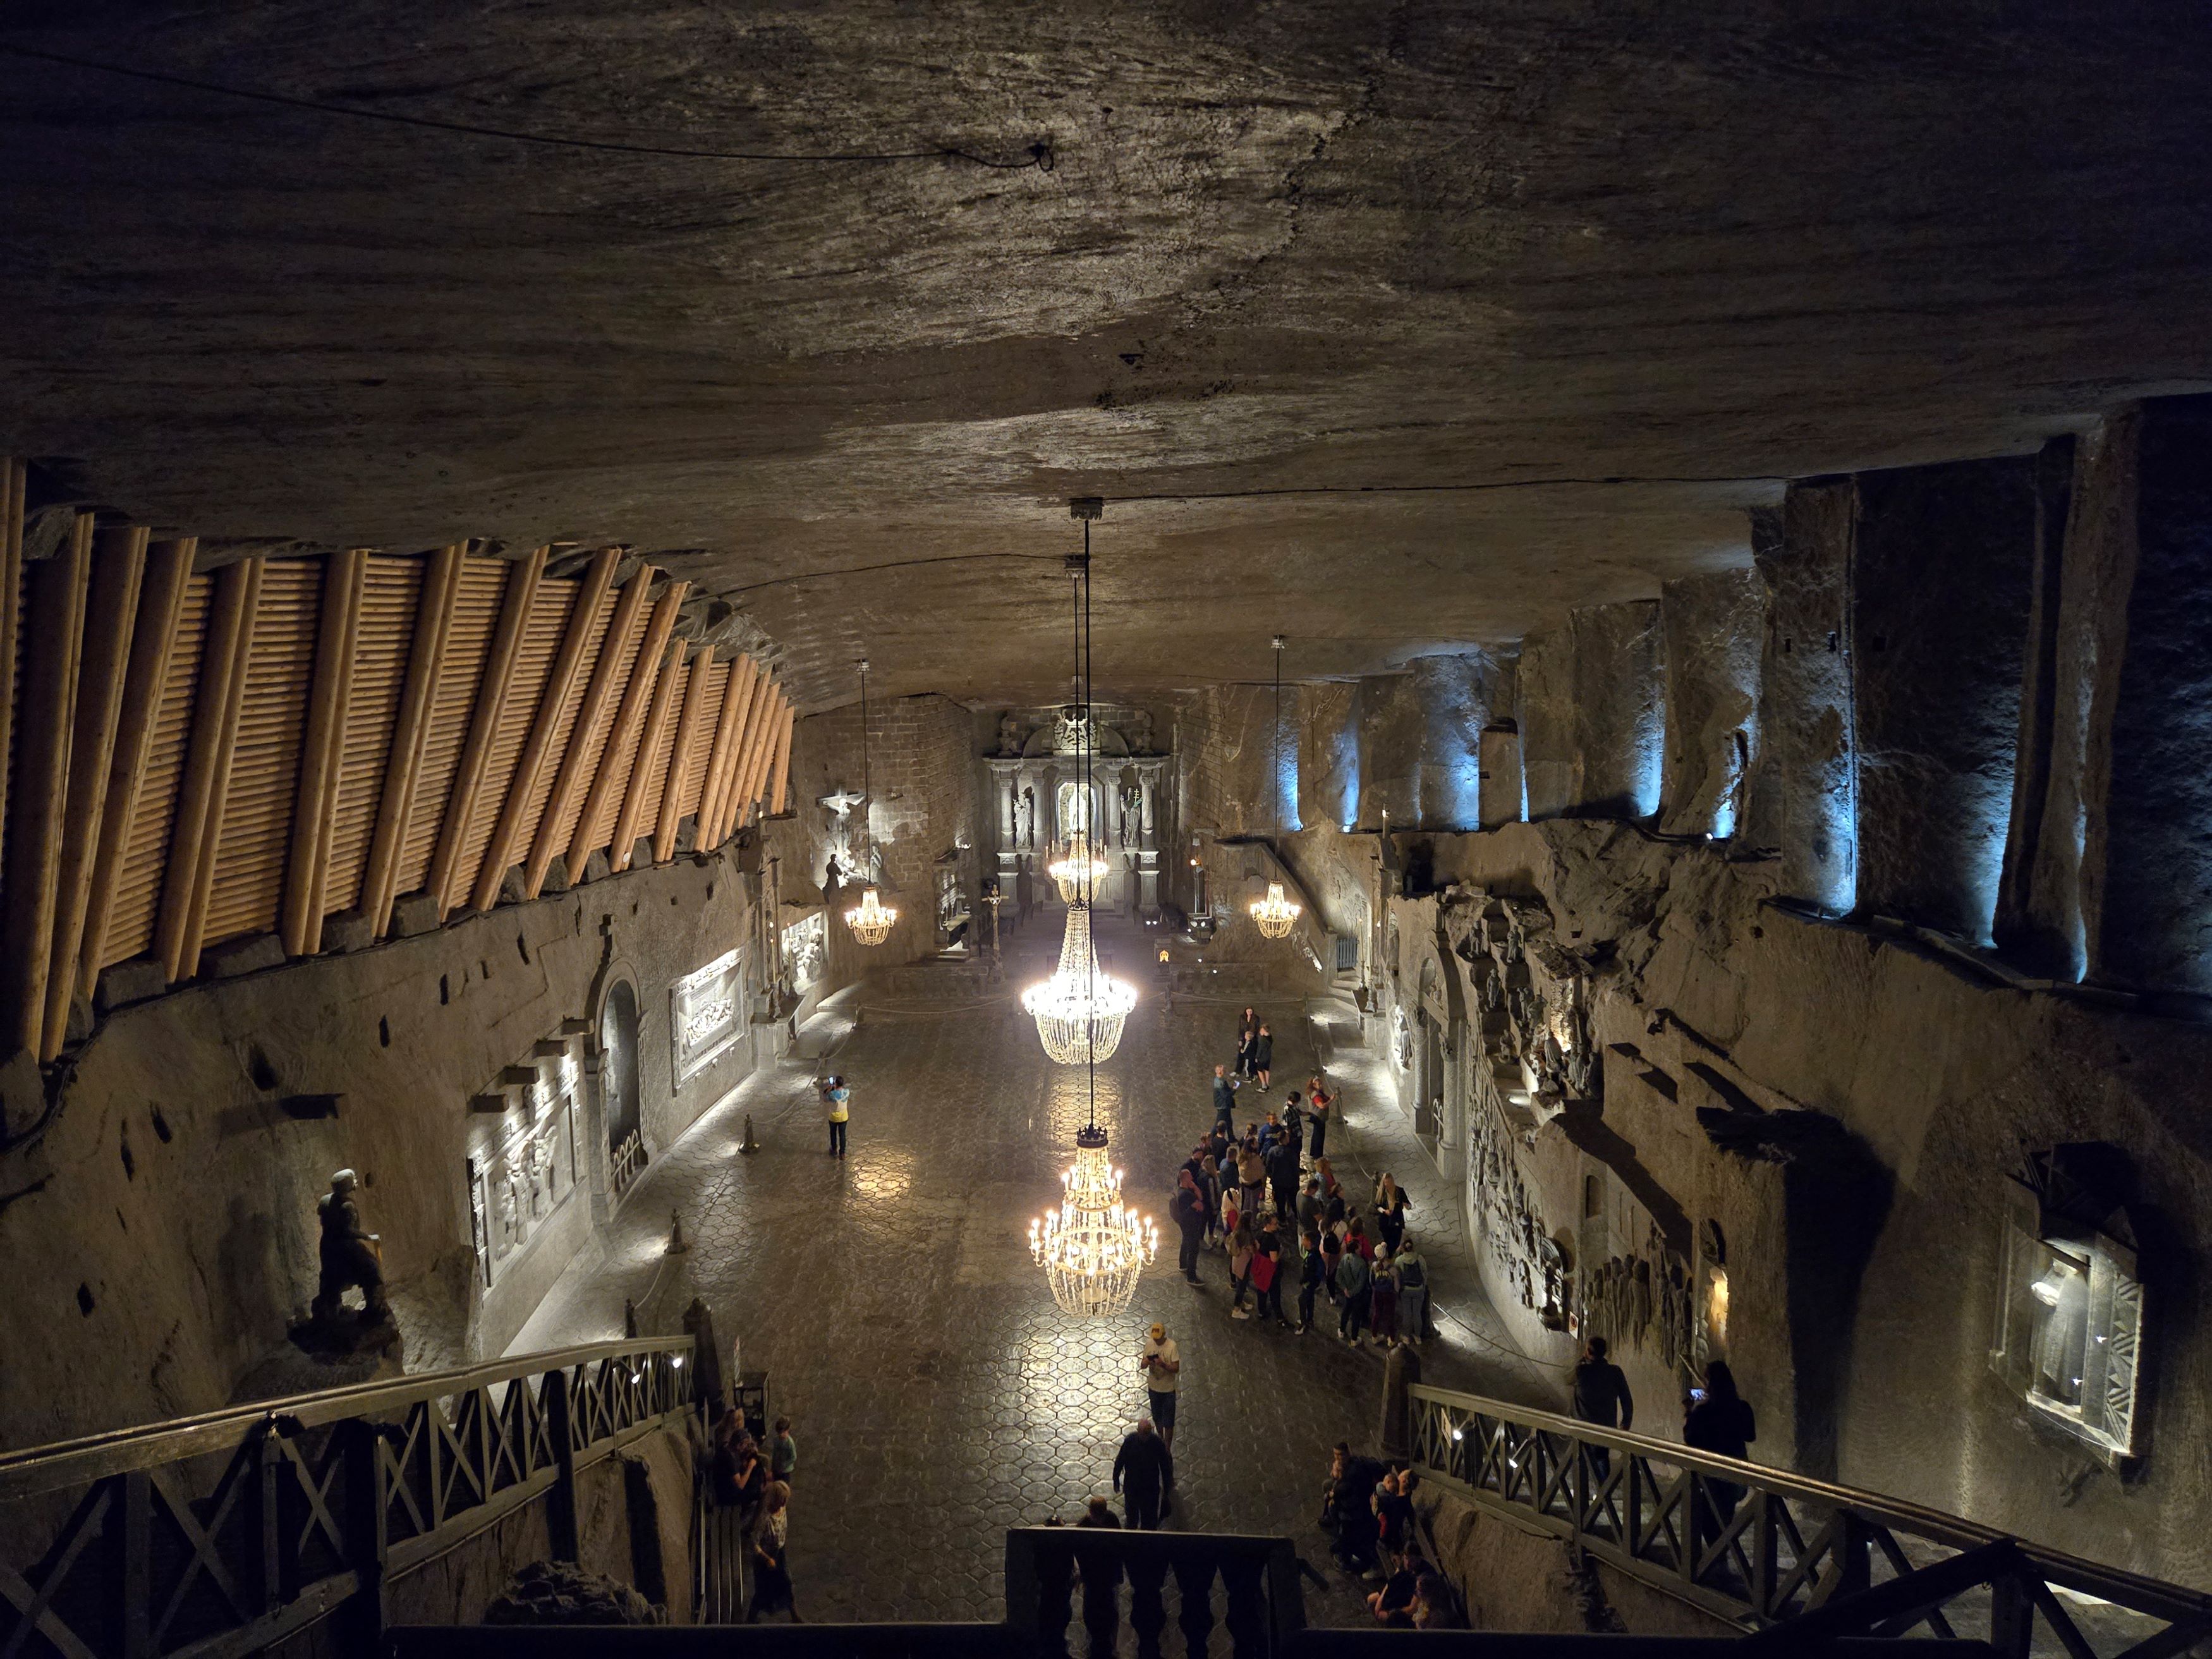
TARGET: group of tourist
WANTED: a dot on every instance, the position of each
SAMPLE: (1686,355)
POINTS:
(1268,1199)
(1367,1510)
(755,1486)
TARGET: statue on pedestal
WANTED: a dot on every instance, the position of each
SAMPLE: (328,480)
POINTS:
(352,1255)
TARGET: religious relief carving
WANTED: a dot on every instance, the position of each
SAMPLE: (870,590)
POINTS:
(1011,733)
(1137,731)
(524,1173)
(805,952)
(703,1013)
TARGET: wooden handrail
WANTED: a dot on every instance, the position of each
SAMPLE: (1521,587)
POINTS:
(69,1462)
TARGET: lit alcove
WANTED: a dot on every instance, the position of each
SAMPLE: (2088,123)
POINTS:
(2070,1318)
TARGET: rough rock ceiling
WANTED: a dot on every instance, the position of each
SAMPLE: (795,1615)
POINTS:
(1378,252)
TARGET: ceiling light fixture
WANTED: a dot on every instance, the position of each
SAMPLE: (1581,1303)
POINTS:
(1079,1011)
(1275,914)
(871,919)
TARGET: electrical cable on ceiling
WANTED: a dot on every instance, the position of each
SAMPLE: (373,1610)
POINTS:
(1038,154)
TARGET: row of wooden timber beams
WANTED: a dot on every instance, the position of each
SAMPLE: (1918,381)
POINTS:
(195,757)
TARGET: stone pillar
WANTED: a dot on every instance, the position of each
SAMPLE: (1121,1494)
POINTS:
(1148,846)
(2114,861)
(1711,626)
(1943,566)
(1005,809)
(1810,807)
(1504,796)
(1592,713)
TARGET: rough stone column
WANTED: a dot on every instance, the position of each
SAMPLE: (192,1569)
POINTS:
(1942,575)
(1805,694)
(1712,628)
(1592,713)
(1328,755)
(1420,742)
(2119,877)
(1502,788)
(1148,855)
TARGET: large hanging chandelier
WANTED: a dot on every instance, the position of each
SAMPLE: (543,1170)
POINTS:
(1094,1247)
(871,919)
(1080,1009)
(1077,870)
(1275,914)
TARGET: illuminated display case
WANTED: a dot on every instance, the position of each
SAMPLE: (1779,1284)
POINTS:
(2069,1323)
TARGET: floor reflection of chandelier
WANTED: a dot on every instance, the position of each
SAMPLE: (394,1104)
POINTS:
(871,919)
(1094,1247)
(1078,870)
(1079,1010)
(1274,915)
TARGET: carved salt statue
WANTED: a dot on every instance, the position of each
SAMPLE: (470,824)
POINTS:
(1010,733)
(1640,1305)
(350,1255)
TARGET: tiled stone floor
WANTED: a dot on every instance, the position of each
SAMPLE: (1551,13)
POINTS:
(939,1396)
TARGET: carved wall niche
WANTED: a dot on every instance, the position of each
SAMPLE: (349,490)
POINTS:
(526,1164)
(2071,1306)
(704,1014)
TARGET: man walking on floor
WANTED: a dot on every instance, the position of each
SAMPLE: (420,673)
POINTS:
(1163,1364)
(1143,1469)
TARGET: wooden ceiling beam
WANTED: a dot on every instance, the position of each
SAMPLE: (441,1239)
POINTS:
(596,708)
(687,735)
(515,604)
(230,639)
(651,742)
(53,632)
(721,760)
(568,659)
(118,567)
(779,788)
(153,643)
(623,739)
(322,749)
(411,733)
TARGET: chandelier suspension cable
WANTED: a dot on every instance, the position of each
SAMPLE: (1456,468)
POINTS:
(1276,914)
(871,919)
(1089,868)
(868,792)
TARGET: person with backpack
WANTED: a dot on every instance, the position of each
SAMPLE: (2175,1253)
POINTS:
(1412,1292)
(839,1099)
(1353,1278)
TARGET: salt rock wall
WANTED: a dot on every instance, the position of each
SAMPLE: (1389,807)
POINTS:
(1833,1118)
(161,1231)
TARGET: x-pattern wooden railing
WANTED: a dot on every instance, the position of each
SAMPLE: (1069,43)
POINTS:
(1776,1552)
(216,1535)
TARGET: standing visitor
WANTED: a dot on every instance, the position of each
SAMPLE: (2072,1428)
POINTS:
(1412,1292)
(838,1098)
(1332,1256)
(1390,1207)
(1294,1123)
(1356,1238)
(1310,1206)
(1240,1250)
(1316,1274)
(1602,1397)
(1248,1040)
(1224,1102)
(1282,1172)
(1263,1053)
(1353,1278)
(1347,1508)
(1716,1419)
(1320,1104)
(1188,1213)
(1162,1363)
(783,1452)
(1252,1177)
(1143,1469)
(772,1560)
(1268,1267)
(1383,1299)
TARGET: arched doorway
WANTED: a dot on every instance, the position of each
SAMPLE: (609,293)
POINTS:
(618,1085)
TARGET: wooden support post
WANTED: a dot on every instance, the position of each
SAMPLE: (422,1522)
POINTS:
(54,630)
(197,832)
(688,738)
(667,692)
(13,484)
(119,565)
(722,758)
(314,805)
(410,731)
(623,740)
(566,661)
(763,751)
(595,709)
(161,614)
(446,878)
(780,786)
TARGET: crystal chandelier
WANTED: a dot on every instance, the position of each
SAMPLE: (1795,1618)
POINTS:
(1079,1010)
(1078,870)
(871,919)
(1275,915)
(1094,1247)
